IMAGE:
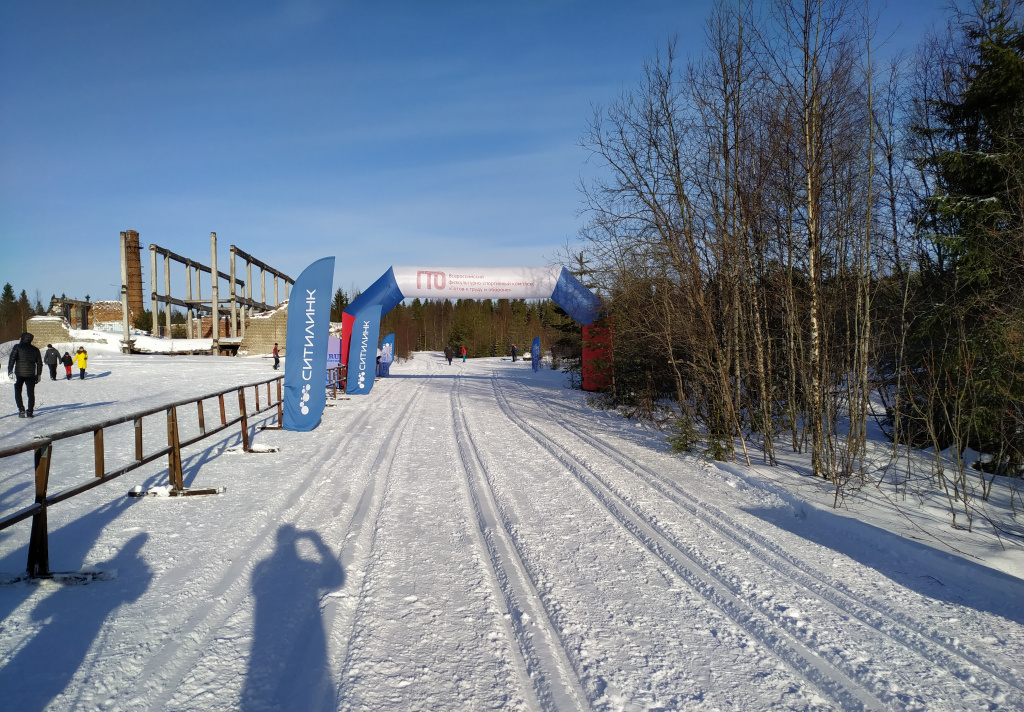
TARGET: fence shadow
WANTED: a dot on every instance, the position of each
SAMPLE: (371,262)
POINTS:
(288,664)
(72,618)
(69,545)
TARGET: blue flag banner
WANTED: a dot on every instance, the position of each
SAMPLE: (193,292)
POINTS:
(535,353)
(387,355)
(362,353)
(305,371)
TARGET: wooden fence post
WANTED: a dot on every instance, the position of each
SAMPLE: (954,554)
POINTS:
(174,473)
(38,544)
(280,405)
(202,421)
(223,413)
(245,420)
(97,446)
(138,439)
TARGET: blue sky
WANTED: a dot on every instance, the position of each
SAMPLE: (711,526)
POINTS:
(430,133)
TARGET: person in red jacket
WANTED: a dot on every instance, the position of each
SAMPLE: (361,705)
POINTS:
(463,354)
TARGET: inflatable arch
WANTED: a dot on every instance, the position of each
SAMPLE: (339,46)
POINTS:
(399,283)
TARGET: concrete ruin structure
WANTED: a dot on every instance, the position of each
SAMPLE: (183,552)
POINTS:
(220,317)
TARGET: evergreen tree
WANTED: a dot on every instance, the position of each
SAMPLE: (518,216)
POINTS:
(8,314)
(338,304)
(25,311)
(967,350)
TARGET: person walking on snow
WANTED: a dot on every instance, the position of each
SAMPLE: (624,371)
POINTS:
(51,358)
(67,361)
(26,365)
(514,352)
(277,357)
(81,359)
(463,354)
(449,352)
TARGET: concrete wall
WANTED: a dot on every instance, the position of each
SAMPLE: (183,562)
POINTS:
(262,330)
(48,330)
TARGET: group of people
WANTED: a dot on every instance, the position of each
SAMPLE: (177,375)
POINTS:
(25,365)
(449,353)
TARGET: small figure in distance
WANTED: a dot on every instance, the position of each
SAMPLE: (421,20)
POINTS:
(81,360)
(514,352)
(51,358)
(26,366)
(448,354)
(67,361)
(277,357)
(463,354)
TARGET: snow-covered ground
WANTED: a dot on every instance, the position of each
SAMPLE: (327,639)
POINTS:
(477,536)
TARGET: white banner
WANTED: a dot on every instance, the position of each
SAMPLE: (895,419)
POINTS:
(477,282)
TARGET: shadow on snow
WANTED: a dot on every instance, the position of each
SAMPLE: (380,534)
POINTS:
(916,566)
(288,665)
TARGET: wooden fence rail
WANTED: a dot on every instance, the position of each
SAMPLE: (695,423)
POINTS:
(38,548)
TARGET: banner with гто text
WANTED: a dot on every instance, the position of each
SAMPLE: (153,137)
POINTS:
(305,366)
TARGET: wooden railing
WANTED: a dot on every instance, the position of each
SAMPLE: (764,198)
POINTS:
(38,548)
(337,379)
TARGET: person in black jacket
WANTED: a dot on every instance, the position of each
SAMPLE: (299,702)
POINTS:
(26,365)
(67,361)
(51,358)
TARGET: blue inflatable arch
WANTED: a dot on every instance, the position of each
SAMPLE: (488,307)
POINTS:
(400,283)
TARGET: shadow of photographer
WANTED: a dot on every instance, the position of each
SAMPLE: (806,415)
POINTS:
(288,663)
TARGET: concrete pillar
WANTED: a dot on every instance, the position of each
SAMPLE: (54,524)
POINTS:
(276,300)
(154,324)
(188,298)
(214,281)
(167,293)
(125,325)
(234,304)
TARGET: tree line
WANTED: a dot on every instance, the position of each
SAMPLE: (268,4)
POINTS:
(788,231)
(16,311)
(487,327)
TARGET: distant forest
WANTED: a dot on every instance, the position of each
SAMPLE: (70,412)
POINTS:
(787,230)
(15,312)
(486,327)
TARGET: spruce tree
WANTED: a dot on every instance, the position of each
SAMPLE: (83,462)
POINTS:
(968,350)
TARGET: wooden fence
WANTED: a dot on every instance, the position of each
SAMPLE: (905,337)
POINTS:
(337,379)
(38,548)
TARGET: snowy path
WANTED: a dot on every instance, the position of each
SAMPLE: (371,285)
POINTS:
(477,537)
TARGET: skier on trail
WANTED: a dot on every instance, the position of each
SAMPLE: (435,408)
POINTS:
(51,358)
(26,366)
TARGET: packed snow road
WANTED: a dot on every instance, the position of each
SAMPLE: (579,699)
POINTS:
(475,537)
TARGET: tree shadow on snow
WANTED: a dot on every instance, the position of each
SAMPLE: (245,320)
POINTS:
(72,618)
(288,664)
(924,569)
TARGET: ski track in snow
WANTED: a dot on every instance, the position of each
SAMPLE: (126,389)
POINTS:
(986,674)
(464,538)
(990,678)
